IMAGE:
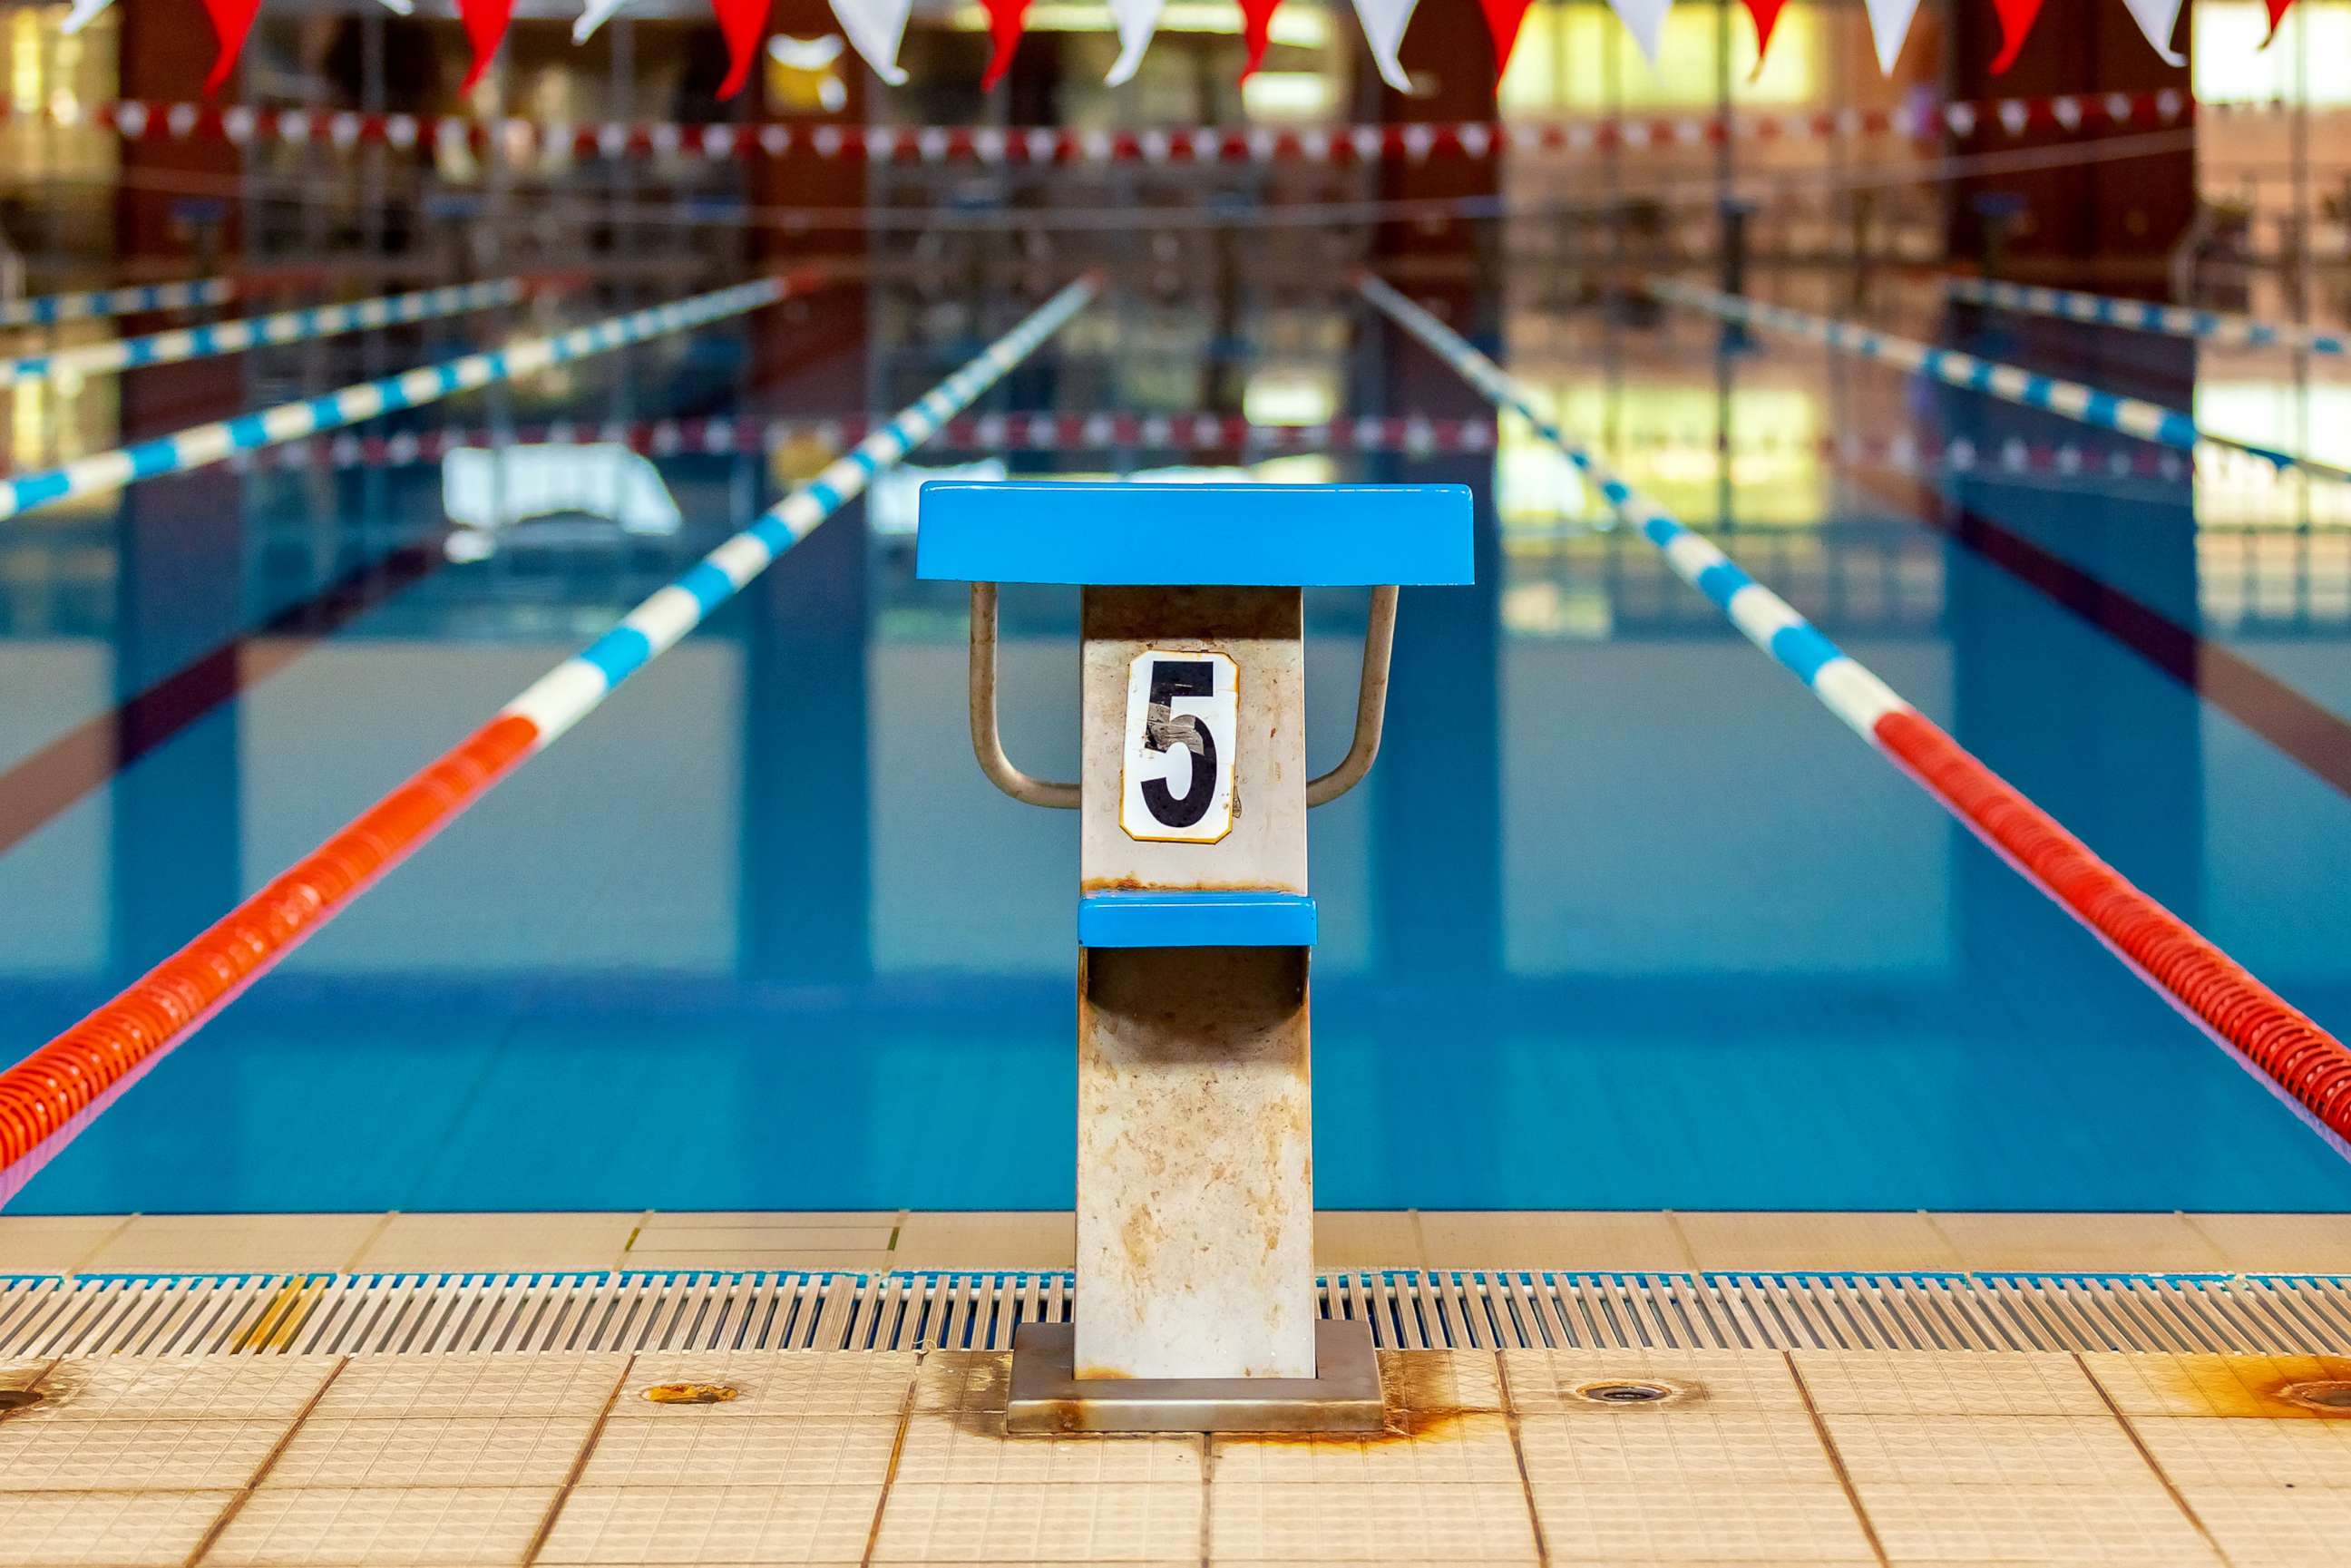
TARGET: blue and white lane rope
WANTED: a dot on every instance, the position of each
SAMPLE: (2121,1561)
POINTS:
(50,1096)
(2290,1055)
(50,308)
(283,327)
(1769,621)
(194,448)
(2086,405)
(2172,320)
(562,697)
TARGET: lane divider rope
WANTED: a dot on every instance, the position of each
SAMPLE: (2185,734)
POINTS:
(51,308)
(48,1096)
(206,444)
(2145,316)
(2074,400)
(2287,1051)
(282,327)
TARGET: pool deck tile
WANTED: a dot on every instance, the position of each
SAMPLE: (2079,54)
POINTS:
(949,1242)
(1595,1241)
(54,1243)
(1756,1456)
(2279,1243)
(1773,1242)
(236,1243)
(2044,1243)
(505,1243)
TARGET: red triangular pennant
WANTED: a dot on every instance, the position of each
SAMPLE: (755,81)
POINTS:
(2278,8)
(743,23)
(1766,14)
(1257,31)
(1004,21)
(1502,19)
(231,20)
(485,29)
(2016,19)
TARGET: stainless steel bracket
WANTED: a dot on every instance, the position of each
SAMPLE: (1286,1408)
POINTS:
(987,741)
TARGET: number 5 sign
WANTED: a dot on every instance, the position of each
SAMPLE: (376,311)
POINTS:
(1182,715)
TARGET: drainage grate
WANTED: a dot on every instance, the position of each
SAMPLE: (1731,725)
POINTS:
(375,1314)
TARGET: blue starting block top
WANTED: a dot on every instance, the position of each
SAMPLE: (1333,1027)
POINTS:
(1218,917)
(1271,535)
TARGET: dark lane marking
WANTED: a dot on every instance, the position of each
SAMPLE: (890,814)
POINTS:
(43,785)
(2313,735)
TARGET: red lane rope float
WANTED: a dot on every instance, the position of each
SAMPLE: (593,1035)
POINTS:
(44,1095)
(2292,1052)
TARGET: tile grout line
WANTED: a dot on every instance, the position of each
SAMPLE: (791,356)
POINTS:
(2138,1444)
(1207,1497)
(244,1495)
(367,1243)
(579,1464)
(897,1452)
(82,1259)
(1837,1460)
(1519,1455)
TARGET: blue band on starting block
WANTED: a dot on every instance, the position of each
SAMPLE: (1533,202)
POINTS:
(1212,917)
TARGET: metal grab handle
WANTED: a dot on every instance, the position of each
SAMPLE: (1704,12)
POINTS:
(986,743)
(1370,705)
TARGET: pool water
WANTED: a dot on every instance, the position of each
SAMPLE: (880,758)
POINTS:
(1622,918)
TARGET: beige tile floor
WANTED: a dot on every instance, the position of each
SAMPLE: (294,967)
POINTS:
(899,1238)
(885,1457)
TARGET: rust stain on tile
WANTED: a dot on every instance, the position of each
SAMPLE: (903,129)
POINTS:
(2265,1388)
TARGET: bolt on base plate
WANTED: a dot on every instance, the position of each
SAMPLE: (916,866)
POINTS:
(1047,1397)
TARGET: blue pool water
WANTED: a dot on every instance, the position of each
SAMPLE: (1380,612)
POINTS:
(1622,918)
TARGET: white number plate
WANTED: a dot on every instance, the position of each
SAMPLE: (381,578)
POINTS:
(1183,714)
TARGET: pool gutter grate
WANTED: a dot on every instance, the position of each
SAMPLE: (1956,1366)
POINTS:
(523,1314)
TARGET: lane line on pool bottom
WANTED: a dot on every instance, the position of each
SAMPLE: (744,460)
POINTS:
(46,1098)
(2308,1069)
(50,308)
(42,788)
(2074,400)
(2145,316)
(202,445)
(280,326)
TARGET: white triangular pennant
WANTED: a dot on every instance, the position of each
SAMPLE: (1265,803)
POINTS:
(1383,24)
(875,29)
(596,14)
(1645,20)
(1137,20)
(2157,18)
(83,14)
(1889,25)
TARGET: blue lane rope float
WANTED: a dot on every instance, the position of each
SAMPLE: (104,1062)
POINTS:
(2074,400)
(282,327)
(51,308)
(205,444)
(2285,1050)
(2171,321)
(57,1091)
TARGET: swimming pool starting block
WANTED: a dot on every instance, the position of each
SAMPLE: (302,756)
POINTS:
(1196,1303)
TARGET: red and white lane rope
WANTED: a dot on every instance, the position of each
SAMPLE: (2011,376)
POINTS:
(2065,113)
(46,1098)
(2285,1048)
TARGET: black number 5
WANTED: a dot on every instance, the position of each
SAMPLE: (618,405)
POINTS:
(1162,727)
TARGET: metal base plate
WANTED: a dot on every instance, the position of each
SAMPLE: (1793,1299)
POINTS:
(1047,1397)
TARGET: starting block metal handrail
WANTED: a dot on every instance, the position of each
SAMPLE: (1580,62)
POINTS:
(1363,750)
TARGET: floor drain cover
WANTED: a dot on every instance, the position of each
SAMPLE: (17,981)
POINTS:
(1622,1393)
(2335,1399)
(18,1399)
(693,1393)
